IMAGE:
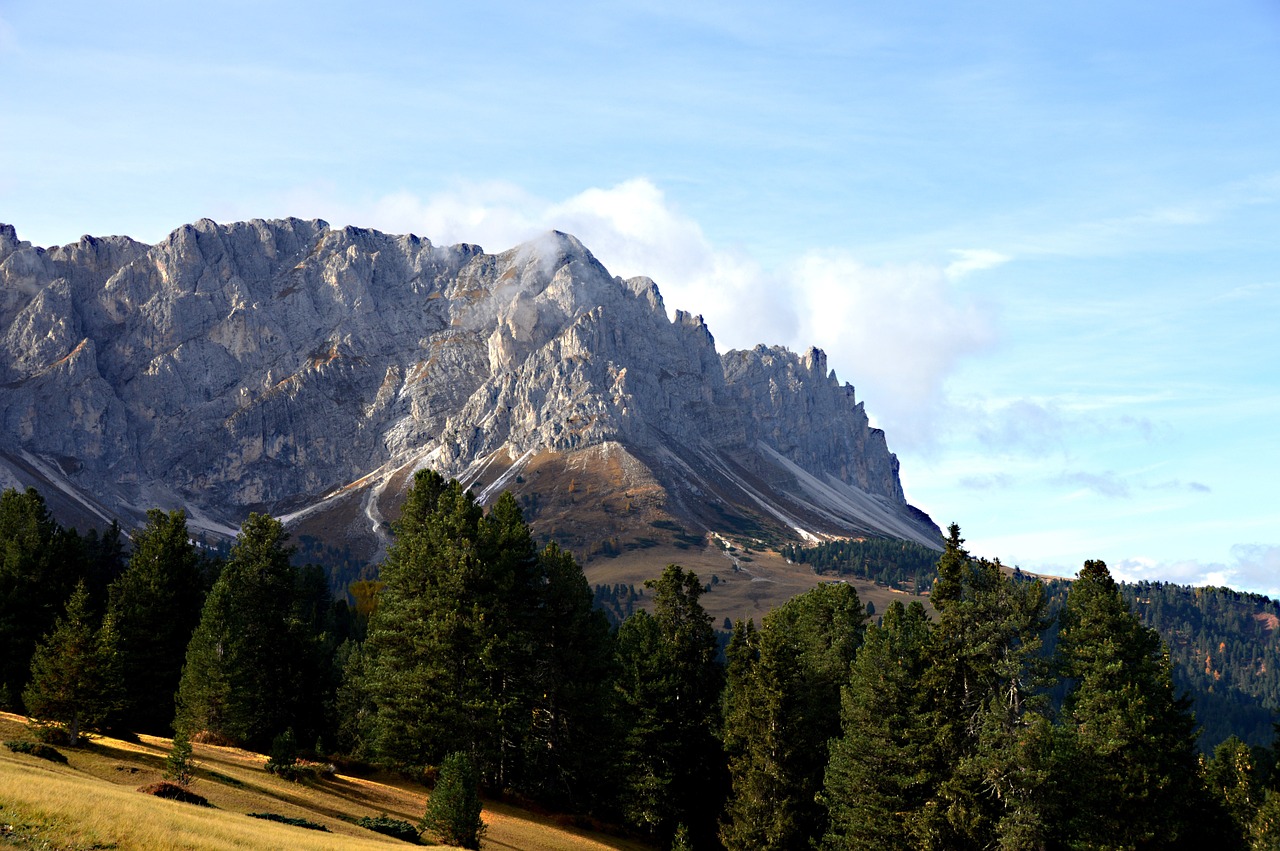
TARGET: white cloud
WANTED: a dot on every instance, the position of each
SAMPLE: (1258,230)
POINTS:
(1253,566)
(970,260)
(894,331)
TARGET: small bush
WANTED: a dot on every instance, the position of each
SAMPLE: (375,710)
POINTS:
(208,737)
(296,822)
(398,828)
(453,810)
(284,755)
(37,749)
(178,766)
(50,734)
(174,792)
(303,770)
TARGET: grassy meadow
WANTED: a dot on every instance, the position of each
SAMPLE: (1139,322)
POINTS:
(92,803)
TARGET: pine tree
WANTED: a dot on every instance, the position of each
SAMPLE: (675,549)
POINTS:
(479,642)
(39,566)
(453,810)
(74,677)
(242,679)
(782,706)
(985,696)
(877,776)
(1129,758)
(155,605)
(1232,779)
(178,765)
(668,695)
(568,749)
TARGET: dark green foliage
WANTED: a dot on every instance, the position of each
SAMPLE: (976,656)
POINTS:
(983,693)
(284,754)
(617,601)
(1233,780)
(567,745)
(781,708)
(668,695)
(1225,649)
(1129,752)
(393,827)
(481,643)
(178,765)
(37,749)
(453,810)
(155,606)
(295,822)
(251,667)
(877,776)
(39,566)
(75,681)
(897,564)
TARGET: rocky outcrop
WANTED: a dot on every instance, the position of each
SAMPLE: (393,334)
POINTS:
(277,365)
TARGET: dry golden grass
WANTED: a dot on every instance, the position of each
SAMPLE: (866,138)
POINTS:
(755,589)
(92,803)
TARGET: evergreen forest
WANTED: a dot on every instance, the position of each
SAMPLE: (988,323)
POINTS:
(1017,714)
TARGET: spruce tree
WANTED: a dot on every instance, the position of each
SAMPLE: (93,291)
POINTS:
(878,777)
(39,565)
(568,747)
(242,677)
(668,697)
(782,706)
(1129,758)
(155,606)
(453,810)
(74,677)
(985,697)
(479,642)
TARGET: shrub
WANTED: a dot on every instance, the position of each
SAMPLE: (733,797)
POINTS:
(296,822)
(174,792)
(284,755)
(37,749)
(453,811)
(398,828)
(178,766)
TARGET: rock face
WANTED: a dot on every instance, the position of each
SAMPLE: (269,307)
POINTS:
(289,367)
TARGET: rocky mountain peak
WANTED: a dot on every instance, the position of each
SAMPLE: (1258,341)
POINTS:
(288,366)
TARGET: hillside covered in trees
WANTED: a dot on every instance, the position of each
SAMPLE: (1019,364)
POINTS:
(1022,714)
(1224,644)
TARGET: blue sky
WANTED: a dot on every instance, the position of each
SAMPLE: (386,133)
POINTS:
(1040,239)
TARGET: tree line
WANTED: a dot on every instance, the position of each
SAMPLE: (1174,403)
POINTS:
(1224,644)
(817,729)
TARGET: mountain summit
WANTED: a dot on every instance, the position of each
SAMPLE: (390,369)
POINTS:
(289,367)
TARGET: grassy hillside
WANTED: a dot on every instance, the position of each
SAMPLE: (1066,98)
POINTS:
(762,580)
(92,803)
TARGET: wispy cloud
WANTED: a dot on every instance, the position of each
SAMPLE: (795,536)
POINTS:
(895,330)
(1255,566)
(970,260)
(1106,484)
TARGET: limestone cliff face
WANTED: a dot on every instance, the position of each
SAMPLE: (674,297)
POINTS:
(276,365)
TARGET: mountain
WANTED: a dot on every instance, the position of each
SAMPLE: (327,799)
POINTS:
(292,368)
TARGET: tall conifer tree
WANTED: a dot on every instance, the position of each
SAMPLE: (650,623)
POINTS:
(155,606)
(241,678)
(75,681)
(877,777)
(669,699)
(1130,758)
(782,706)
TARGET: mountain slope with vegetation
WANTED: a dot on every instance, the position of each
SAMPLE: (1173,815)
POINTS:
(1016,711)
